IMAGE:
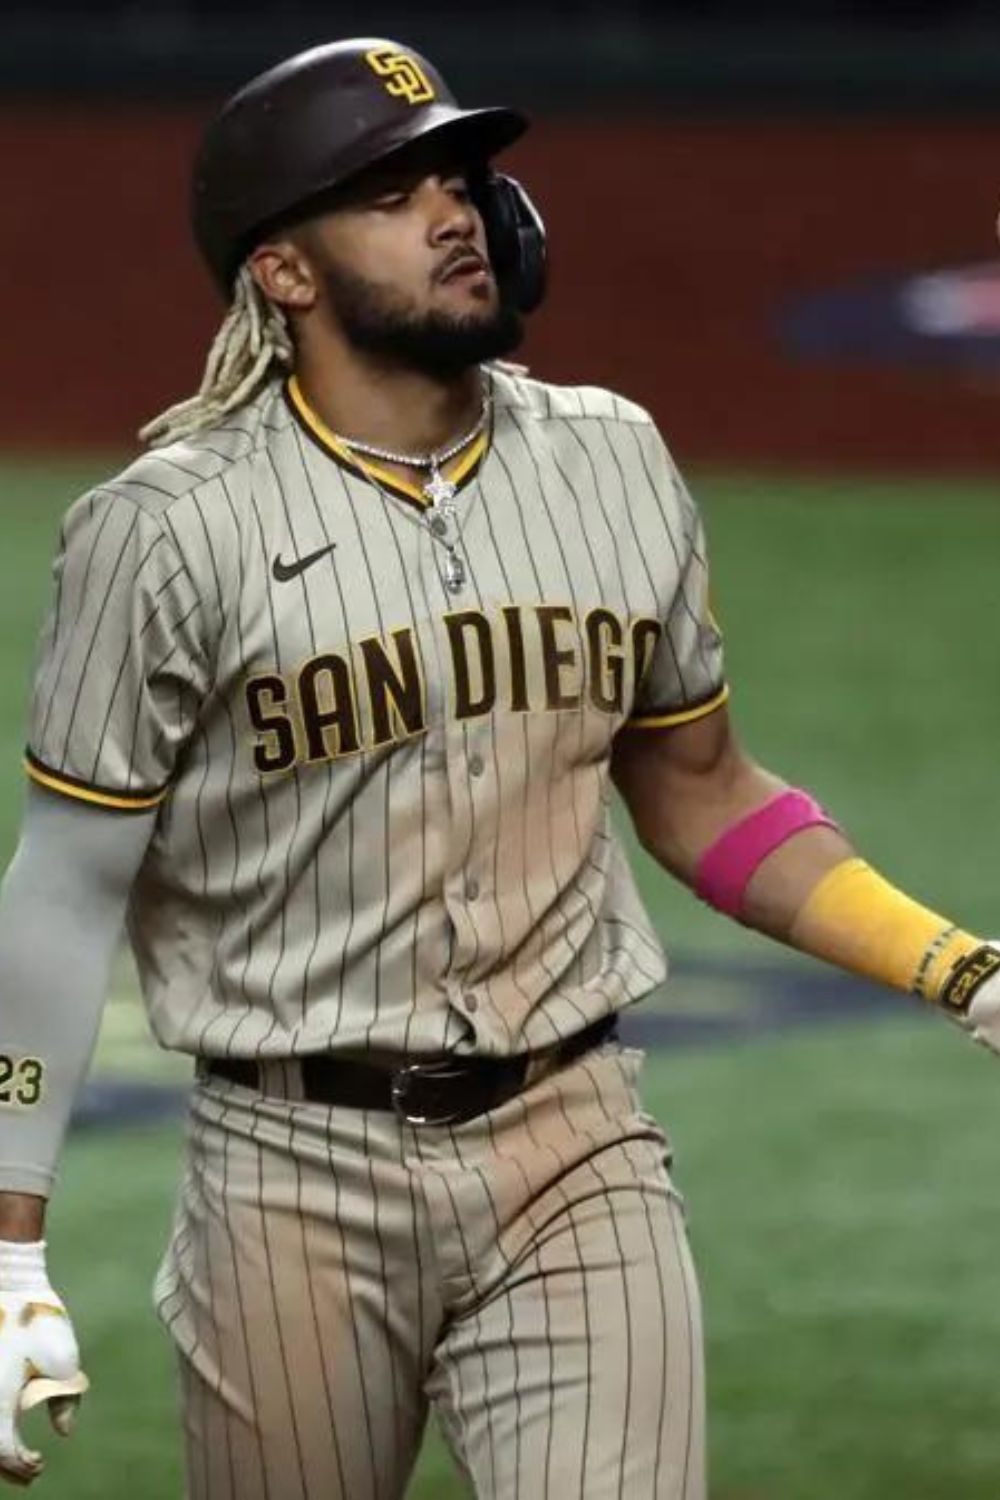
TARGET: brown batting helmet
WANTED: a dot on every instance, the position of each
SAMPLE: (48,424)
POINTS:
(311,123)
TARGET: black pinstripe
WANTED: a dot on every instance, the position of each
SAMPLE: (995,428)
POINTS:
(92,553)
(690,1345)
(665,638)
(219,1353)
(583,533)
(276,642)
(581,848)
(681,494)
(470,1275)
(123,661)
(358,1358)
(335,1436)
(303,590)
(661,1295)
(237,905)
(471,841)
(88,657)
(241,646)
(555,1031)
(404,572)
(286,1363)
(237,1289)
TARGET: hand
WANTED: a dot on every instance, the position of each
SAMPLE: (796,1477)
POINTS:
(39,1358)
(972,995)
(984,1014)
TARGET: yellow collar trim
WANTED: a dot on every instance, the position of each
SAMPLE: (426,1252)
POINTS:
(457,471)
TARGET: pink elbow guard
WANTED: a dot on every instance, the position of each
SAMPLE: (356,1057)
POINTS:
(725,868)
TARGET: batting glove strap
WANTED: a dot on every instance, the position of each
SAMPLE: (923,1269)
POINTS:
(22,1267)
(970,976)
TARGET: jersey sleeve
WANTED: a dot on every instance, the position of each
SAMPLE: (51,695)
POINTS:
(682,677)
(122,667)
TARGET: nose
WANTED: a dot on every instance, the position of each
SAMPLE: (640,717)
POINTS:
(452,217)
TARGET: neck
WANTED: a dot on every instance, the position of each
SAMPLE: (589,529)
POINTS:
(386,405)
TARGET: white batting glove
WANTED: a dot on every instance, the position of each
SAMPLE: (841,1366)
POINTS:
(972,995)
(39,1358)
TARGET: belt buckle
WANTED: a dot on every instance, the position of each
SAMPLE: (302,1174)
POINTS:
(405,1080)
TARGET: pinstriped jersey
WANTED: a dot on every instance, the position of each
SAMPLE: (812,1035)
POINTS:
(382,801)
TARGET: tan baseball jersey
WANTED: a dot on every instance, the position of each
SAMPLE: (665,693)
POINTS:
(383,792)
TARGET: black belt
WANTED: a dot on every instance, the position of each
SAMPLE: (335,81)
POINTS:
(438,1091)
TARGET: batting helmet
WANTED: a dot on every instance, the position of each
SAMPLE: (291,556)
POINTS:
(321,117)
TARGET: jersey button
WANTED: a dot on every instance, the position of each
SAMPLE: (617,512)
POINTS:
(471,1003)
(476,766)
(471,889)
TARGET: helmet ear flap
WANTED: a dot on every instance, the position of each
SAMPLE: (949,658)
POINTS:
(515,236)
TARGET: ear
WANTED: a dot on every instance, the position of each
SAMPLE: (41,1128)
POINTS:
(284,275)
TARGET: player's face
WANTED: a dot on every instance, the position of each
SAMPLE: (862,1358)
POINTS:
(404,270)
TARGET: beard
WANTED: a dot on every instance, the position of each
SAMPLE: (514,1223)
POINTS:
(443,345)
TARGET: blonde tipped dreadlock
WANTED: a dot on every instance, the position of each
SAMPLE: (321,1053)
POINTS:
(253,336)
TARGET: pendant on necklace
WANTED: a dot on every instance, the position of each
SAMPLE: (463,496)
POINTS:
(439,490)
(454,572)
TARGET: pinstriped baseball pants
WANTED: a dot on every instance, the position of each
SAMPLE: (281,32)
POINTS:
(334,1273)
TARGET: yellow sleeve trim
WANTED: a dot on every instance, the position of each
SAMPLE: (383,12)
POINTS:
(682,716)
(75,789)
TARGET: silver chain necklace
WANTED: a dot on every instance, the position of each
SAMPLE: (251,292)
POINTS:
(439,491)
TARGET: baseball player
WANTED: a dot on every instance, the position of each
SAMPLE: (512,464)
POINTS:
(336,682)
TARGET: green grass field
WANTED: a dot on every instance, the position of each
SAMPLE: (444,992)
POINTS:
(842,1183)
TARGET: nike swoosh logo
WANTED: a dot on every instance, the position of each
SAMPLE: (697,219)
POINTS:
(283,571)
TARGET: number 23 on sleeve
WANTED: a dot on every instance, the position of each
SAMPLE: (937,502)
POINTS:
(20,1080)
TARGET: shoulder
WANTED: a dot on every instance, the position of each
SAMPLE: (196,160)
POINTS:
(545,401)
(590,424)
(160,479)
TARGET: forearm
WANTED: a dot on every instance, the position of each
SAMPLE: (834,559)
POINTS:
(812,891)
(767,855)
(62,904)
(54,967)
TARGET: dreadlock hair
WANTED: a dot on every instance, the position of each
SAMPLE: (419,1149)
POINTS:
(253,336)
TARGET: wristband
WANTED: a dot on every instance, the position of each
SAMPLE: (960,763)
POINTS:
(855,919)
(725,868)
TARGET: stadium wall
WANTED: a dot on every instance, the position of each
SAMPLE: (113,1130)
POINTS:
(678,248)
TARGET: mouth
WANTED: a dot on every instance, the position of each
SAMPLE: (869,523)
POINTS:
(465,267)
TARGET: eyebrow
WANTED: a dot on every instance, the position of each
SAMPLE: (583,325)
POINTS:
(387,180)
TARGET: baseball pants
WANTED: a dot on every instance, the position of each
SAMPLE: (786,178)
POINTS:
(335,1273)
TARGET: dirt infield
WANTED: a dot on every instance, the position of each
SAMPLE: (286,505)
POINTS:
(673,245)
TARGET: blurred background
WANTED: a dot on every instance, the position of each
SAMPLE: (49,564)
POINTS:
(774,226)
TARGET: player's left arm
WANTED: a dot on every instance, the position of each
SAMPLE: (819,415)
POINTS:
(768,855)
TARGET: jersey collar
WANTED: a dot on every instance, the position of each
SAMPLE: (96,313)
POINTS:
(460,472)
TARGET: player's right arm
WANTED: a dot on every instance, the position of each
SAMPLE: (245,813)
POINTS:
(122,671)
(62,905)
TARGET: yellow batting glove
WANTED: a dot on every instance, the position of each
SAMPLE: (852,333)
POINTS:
(39,1357)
